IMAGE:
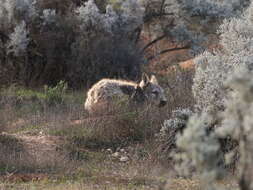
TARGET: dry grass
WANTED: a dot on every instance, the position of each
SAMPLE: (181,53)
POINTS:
(117,183)
(116,130)
(62,147)
(179,84)
(36,127)
(32,154)
(26,146)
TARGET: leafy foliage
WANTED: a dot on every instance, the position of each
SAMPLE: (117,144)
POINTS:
(237,123)
(77,39)
(54,95)
(19,40)
(200,149)
(214,68)
(166,137)
(214,8)
(89,42)
(223,91)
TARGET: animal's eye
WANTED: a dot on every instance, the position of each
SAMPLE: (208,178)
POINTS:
(155,92)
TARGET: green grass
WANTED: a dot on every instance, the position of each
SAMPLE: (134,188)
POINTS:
(49,95)
(31,129)
(29,94)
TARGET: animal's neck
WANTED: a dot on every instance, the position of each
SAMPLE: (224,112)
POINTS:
(127,89)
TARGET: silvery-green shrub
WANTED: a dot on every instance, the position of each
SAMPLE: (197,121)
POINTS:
(87,39)
(170,128)
(15,11)
(199,149)
(178,122)
(223,88)
(49,16)
(125,19)
(77,39)
(237,123)
(213,68)
(19,40)
(213,8)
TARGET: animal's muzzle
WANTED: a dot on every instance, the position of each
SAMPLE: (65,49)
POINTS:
(162,103)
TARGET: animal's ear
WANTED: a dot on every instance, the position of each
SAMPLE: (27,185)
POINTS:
(145,78)
(144,81)
(153,79)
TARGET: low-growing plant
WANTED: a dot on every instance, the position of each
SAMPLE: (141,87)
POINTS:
(199,150)
(166,138)
(55,95)
(115,130)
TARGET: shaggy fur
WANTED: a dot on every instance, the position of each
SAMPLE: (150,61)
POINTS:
(107,91)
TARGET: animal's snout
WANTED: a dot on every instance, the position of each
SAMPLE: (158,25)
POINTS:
(162,103)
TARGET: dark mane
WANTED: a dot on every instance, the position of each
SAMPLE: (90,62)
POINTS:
(127,89)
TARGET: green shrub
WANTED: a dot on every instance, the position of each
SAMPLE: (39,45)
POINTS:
(43,42)
(55,95)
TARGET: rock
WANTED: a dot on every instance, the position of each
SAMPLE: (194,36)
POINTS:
(124,159)
(115,155)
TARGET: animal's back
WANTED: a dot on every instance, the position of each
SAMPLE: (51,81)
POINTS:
(104,91)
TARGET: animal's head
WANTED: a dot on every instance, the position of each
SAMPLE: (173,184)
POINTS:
(150,91)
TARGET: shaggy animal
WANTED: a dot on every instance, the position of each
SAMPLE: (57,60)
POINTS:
(106,91)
